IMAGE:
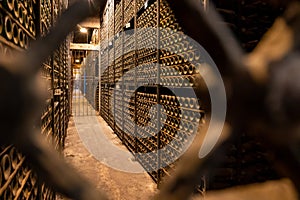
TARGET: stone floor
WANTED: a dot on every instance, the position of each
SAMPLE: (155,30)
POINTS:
(119,185)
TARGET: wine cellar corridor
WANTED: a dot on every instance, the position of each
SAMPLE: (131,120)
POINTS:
(149,99)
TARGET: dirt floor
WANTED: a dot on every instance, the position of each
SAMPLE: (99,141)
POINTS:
(119,185)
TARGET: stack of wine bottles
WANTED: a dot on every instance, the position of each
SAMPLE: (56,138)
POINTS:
(119,17)
(17,179)
(104,66)
(248,20)
(129,10)
(20,23)
(155,63)
(58,75)
(17,23)
(147,62)
(247,160)
(118,93)
(147,129)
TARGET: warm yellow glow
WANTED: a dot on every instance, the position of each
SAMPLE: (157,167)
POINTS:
(83,30)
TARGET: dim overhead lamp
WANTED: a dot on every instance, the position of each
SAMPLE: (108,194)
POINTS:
(83,30)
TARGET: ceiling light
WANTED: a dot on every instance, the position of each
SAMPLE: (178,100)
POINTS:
(83,30)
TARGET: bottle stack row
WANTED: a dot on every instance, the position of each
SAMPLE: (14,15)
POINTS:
(247,160)
(147,86)
(20,24)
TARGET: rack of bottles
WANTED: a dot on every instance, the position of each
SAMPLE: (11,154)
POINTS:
(246,159)
(57,71)
(131,70)
(152,58)
(104,70)
(20,23)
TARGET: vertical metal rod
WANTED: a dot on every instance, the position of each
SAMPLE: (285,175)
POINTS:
(60,102)
(79,92)
(108,69)
(88,82)
(84,88)
(94,65)
(158,94)
(91,103)
(135,73)
(75,97)
(75,92)
(96,82)
(73,110)
(114,67)
(99,70)
(52,78)
(83,91)
(85,77)
(122,65)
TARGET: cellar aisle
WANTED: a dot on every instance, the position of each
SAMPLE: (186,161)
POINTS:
(119,185)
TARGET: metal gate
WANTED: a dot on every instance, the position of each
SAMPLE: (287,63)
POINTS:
(85,98)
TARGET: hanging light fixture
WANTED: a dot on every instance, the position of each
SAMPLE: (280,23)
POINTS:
(83,30)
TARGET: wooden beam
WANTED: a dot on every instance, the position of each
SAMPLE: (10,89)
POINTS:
(83,46)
